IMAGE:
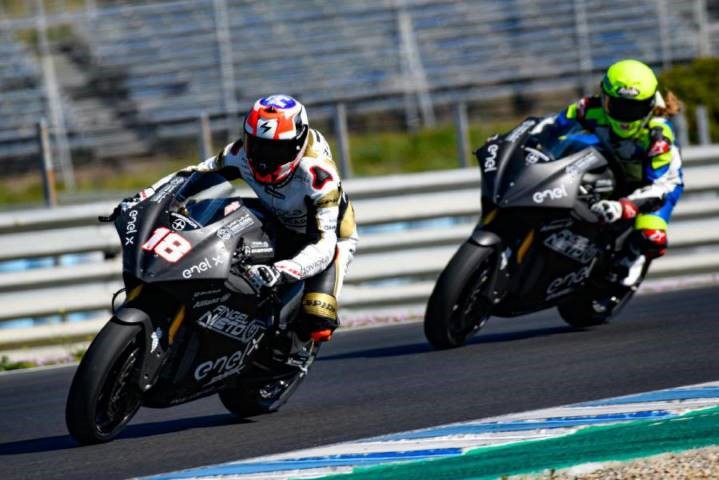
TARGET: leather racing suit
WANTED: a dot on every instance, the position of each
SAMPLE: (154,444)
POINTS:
(651,162)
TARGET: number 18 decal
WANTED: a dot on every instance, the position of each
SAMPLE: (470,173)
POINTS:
(168,245)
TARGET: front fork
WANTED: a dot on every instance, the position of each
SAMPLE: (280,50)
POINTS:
(500,274)
(506,260)
(157,339)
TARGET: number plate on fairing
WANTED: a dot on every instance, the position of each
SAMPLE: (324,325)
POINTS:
(574,246)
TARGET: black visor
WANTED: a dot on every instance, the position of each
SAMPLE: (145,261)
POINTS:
(625,109)
(268,155)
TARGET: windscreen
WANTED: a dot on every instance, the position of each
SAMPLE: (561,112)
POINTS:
(203,198)
(573,141)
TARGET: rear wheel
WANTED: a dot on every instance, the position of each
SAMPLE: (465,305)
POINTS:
(256,397)
(596,305)
(456,308)
(104,395)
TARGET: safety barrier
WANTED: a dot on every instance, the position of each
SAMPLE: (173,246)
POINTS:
(410,227)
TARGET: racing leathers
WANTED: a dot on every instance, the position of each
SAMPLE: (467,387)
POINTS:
(318,216)
(652,166)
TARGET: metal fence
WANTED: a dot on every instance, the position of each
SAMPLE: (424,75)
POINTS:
(118,80)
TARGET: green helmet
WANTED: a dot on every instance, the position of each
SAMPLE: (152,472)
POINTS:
(628,96)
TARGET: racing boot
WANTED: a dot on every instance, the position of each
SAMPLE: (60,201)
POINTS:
(318,318)
(627,271)
(318,329)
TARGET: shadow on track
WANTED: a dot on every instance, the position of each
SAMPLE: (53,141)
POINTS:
(64,442)
(425,347)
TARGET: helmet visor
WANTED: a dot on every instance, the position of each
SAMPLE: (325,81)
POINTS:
(625,109)
(267,155)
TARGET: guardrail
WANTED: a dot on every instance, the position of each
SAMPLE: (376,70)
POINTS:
(399,256)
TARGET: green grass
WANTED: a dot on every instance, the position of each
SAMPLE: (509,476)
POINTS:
(6,364)
(371,154)
(429,149)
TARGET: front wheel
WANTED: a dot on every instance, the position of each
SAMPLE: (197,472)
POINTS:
(456,308)
(104,395)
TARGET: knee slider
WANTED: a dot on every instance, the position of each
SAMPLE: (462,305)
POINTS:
(653,243)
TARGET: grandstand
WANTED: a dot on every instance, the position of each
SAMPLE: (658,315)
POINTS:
(21,97)
(138,74)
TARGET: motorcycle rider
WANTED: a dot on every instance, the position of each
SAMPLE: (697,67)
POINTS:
(290,168)
(631,118)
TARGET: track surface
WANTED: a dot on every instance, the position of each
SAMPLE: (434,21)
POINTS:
(377,381)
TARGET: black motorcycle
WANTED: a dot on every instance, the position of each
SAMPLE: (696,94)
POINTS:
(191,325)
(538,244)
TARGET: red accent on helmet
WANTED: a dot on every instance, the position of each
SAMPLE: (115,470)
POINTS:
(629,209)
(276,132)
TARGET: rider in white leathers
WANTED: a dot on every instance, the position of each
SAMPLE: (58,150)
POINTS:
(290,168)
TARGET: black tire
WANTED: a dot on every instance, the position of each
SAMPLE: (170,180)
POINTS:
(257,398)
(578,310)
(104,394)
(455,310)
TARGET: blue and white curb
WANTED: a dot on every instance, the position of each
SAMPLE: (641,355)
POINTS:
(455,439)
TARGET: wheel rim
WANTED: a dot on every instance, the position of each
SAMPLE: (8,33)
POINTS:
(470,312)
(119,398)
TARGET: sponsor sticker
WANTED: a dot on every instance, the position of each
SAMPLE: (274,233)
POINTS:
(490,161)
(564,284)
(225,365)
(235,227)
(181,222)
(261,248)
(628,92)
(204,293)
(208,302)
(581,164)
(535,156)
(230,323)
(572,245)
(166,189)
(520,130)
(551,194)
(168,245)
(203,266)
(131,228)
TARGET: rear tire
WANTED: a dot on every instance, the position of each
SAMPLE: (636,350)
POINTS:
(578,310)
(104,395)
(455,309)
(252,398)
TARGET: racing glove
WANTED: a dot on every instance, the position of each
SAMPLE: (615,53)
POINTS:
(609,211)
(261,276)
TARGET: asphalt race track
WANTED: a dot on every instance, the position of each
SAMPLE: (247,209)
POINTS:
(377,381)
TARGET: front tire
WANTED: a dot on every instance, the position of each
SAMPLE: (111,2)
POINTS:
(104,395)
(456,308)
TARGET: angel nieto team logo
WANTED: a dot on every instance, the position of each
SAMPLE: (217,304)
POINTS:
(278,101)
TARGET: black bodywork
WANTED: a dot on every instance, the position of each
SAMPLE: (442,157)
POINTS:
(536,193)
(205,328)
